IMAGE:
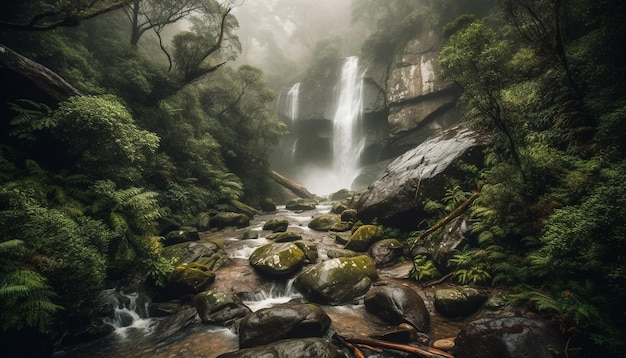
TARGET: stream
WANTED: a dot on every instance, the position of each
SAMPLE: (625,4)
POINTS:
(136,335)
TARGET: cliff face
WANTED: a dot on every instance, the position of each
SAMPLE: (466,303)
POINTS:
(404,102)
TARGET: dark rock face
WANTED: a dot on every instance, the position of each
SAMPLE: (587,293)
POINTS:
(398,304)
(514,337)
(397,196)
(282,322)
(386,252)
(301,348)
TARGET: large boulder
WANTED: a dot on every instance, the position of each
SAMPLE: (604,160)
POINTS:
(398,304)
(187,279)
(217,307)
(513,337)
(280,259)
(397,196)
(281,322)
(337,281)
(288,348)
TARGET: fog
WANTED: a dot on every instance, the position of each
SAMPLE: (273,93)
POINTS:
(279,36)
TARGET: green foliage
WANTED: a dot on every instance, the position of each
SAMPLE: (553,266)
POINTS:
(27,302)
(423,269)
(470,266)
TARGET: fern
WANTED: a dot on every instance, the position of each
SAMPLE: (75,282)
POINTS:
(27,302)
(30,117)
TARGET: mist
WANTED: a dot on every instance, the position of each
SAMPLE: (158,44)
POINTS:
(279,36)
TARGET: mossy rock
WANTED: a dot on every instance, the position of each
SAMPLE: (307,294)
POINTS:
(276,224)
(459,301)
(216,307)
(324,222)
(277,259)
(188,279)
(364,237)
(288,236)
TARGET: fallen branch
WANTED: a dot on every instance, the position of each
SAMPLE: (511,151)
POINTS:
(422,352)
(296,188)
(355,350)
(438,281)
(456,212)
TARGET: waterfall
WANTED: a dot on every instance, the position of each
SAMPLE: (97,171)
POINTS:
(129,311)
(346,123)
(292,102)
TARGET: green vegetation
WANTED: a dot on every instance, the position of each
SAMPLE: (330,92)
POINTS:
(541,77)
(161,129)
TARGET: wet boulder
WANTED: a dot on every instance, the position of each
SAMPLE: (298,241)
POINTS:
(386,252)
(397,197)
(323,222)
(338,207)
(341,226)
(398,304)
(277,259)
(281,322)
(226,219)
(364,237)
(512,337)
(221,308)
(276,224)
(311,253)
(337,281)
(350,215)
(298,347)
(301,204)
(188,279)
(458,301)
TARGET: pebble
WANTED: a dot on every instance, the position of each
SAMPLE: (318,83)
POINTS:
(446,344)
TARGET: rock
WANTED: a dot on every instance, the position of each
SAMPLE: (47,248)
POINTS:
(418,176)
(203,252)
(341,226)
(250,234)
(340,195)
(398,304)
(301,204)
(323,222)
(349,215)
(173,324)
(459,301)
(363,237)
(337,281)
(164,309)
(280,259)
(301,348)
(221,308)
(445,344)
(334,253)
(513,337)
(453,237)
(281,322)
(268,205)
(276,224)
(310,251)
(166,224)
(203,221)
(338,207)
(386,252)
(184,234)
(187,279)
(223,220)
(284,236)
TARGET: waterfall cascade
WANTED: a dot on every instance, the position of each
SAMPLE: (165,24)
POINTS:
(129,311)
(347,138)
(292,102)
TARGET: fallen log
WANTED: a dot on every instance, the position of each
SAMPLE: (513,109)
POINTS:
(296,188)
(456,212)
(426,352)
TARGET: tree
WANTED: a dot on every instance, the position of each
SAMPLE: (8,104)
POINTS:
(145,15)
(211,29)
(476,61)
(39,15)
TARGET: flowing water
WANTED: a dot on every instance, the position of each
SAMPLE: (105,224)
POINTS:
(136,335)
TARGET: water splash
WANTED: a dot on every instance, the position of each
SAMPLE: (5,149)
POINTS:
(277,293)
(130,313)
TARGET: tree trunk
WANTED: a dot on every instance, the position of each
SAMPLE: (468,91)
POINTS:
(296,188)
